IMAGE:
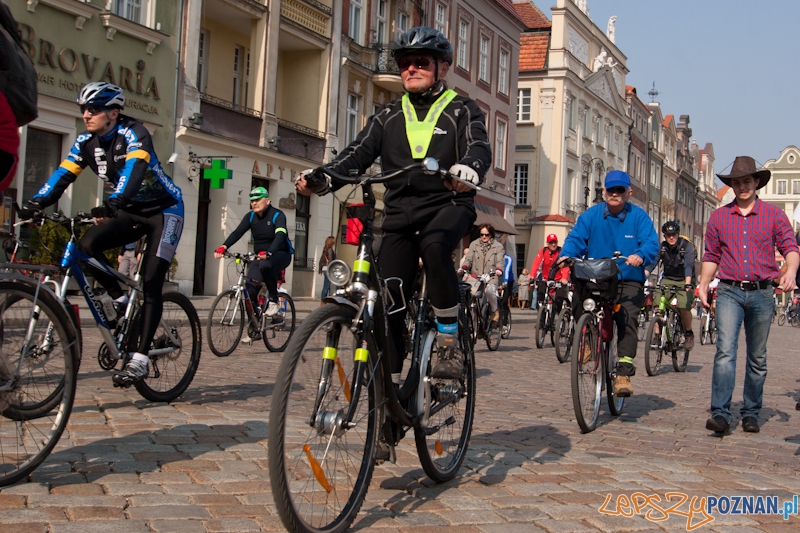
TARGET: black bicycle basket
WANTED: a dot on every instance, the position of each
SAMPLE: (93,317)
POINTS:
(598,279)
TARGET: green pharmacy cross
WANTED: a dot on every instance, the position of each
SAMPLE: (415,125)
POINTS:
(217,174)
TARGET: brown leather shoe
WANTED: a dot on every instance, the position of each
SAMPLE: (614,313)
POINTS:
(623,387)
(688,342)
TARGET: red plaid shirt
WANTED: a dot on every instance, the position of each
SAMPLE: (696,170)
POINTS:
(744,246)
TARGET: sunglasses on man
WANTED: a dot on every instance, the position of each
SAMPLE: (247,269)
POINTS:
(421,63)
(619,190)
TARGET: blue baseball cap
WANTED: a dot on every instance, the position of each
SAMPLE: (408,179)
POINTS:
(617,178)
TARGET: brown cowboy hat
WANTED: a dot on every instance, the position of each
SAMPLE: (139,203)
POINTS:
(746,166)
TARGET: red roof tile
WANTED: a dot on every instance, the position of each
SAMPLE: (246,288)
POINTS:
(533,51)
(553,218)
(509,5)
(531,15)
(722,192)
(667,120)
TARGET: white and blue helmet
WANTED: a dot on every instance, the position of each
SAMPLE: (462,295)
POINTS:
(102,94)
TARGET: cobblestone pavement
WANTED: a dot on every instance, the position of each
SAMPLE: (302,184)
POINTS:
(200,464)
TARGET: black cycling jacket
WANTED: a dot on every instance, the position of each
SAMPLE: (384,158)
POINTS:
(126,161)
(459,137)
(267,236)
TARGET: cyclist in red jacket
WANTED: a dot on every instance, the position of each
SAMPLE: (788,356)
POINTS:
(546,260)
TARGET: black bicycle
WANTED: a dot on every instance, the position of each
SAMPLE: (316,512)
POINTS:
(334,398)
(482,324)
(666,334)
(546,321)
(565,331)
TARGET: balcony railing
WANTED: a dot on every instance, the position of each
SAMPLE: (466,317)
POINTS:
(301,141)
(385,62)
(230,105)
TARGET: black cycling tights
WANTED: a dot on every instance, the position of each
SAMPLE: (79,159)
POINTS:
(434,242)
(123,229)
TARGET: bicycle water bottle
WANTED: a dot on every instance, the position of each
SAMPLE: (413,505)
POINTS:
(107,303)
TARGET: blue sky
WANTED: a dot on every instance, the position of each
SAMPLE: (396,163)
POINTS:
(733,66)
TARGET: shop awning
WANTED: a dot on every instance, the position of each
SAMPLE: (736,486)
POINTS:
(488,214)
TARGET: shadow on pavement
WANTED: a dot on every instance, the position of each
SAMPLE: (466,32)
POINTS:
(638,406)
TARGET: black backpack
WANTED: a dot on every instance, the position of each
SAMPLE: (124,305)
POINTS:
(17,73)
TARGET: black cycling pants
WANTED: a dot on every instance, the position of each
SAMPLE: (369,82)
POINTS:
(126,228)
(433,241)
(267,271)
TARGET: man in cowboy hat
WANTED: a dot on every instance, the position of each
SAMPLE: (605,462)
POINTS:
(741,238)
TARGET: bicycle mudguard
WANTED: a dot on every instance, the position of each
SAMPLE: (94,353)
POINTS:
(340,300)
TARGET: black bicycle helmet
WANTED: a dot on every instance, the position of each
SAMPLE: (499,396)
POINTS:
(670,226)
(423,40)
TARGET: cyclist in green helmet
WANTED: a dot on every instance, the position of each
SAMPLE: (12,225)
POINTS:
(270,241)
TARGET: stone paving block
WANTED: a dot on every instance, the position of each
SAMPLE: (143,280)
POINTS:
(130,489)
(566,526)
(169,512)
(112,479)
(31,527)
(16,516)
(471,517)
(101,526)
(510,528)
(536,489)
(74,500)
(149,500)
(525,515)
(232,525)
(194,465)
(188,488)
(8,501)
(237,510)
(177,526)
(162,478)
(77,514)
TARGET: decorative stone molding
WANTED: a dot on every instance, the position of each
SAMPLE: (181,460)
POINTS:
(115,23)
(486,30)
(547,98)
(81,11)
(466,15)
(577,45)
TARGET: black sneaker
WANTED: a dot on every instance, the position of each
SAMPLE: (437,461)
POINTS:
(750,424)
(718,424)
(133,372)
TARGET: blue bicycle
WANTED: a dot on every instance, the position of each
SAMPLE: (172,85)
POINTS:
(175,350)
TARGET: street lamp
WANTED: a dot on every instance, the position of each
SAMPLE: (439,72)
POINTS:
(589,164)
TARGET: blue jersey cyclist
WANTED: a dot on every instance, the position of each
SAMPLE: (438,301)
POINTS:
(270,241)
(144,202)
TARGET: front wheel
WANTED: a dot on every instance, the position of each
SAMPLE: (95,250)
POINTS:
(39,354)
(614,402)
(505,314)
(174,351)
(453,402)
(319,469)
(640,331)
(541,326)
(587,374)
(563,335)
(782,319)
(225,323)
(278,330)
(653,348)
(494,332)
(713,330)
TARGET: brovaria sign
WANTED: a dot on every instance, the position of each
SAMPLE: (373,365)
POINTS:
(68,60)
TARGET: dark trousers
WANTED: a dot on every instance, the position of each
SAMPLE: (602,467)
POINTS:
(627,319)
(268,271)
(561,295)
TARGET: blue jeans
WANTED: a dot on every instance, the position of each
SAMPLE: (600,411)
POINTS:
(326,284)
(755,309)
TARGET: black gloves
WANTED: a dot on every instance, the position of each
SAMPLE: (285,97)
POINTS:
(29,212)
(107,210)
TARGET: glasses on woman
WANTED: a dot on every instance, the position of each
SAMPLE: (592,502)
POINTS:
(485,234)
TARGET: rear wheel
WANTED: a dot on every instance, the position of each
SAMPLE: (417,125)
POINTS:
(39,366)
(782,319)
(541,326)
(642,326)
(278,330)
(680,356)
(713,330)
(587,374)
(226,323)
(563,335)
(174,351)
(653,349)
(505,314)
(319,469)
(494,332)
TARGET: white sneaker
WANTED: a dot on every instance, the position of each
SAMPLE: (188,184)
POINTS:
(272,309)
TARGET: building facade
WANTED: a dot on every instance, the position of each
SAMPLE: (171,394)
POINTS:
(572,123)
(783,189)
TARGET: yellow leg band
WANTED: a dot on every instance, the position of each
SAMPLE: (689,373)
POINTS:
(626,359)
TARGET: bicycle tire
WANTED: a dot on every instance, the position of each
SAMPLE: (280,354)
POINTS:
(713,329)
(615,402)
(782,319)
(551,326)
(653,349)
(679,360)
(278,334)
(641,329)
(563,333)
(224,326)
(540,330)
(494,332)
(586,374)
(303,505)
(796,321)
(506,317)
(442,457)
(31,427)
(171,373)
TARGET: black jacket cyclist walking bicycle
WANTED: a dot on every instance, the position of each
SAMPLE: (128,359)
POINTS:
(145,202)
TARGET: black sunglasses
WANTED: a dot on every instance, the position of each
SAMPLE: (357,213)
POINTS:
(619,191)
(485,234)
(419,62)
(93,110)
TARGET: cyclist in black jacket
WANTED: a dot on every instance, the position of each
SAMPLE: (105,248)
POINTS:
(425,217)
(145,202)
(270,242)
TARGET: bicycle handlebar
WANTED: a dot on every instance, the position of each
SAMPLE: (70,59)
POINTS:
(320,178)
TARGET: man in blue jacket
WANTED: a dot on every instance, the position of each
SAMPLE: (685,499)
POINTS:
(618,226)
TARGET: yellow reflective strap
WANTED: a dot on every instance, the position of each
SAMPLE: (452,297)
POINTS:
(420,133)
(626,360)
(329,352)
(362,354)
(280,230)
(361,266)
(138,154)
(238,261)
